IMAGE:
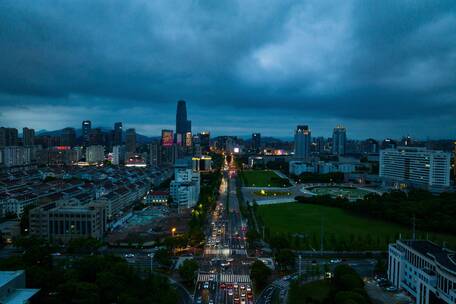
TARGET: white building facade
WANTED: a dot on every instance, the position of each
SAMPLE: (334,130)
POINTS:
(419,167)
(185,188)
(424,269)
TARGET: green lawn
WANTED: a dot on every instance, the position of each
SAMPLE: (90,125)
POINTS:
(261,178)
(342,230)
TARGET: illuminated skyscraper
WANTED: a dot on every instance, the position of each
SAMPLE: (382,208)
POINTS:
(183,126)
(339,140)
(302,143)
(86,128)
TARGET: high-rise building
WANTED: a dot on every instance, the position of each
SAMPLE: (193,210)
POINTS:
(130,140)
(96,137)
(68,137)
(118,155)
(183,126)
(424,270)
(28,137)
(302,143)
(185,187)
(454,161)
(339,140)
(416,167)
(95,154)
(256,141)
(205,141)
(117,136)
(86,128)
(13,156)
(155,154)
(8,137)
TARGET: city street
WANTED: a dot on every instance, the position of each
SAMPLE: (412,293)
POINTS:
(224,270)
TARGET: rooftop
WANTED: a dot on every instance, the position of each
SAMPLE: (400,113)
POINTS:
(443,256)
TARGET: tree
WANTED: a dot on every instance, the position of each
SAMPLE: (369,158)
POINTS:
(259,273)
(83,246)
(286,259)
(163,257)
(188,270)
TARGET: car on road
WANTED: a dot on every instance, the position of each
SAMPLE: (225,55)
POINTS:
(230,292)
(391,288)
(222,285)
(335,261)
(206,285)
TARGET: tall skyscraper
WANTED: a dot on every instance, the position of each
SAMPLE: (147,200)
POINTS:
(256,141)
(130,140)
(8,137)
(68,137)
(86,128)
(339,140)
(155,154)
(96,137)
(183,126)
(117,140)
(28,137)
(302,143)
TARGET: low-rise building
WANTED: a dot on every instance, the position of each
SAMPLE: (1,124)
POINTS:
(61,222)
(12,288)
(424,269)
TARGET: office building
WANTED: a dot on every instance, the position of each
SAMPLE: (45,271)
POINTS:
(183,125)
(12,288)
(118,155)
(339,140)
(61,222)
(130,140)
(8,137)
(302,143)
(28,137)
(86,128)
(256,142)
(424,270)
(117,135)
(97,137)
(203,163)
(68,137)
(415,167)
(95,154)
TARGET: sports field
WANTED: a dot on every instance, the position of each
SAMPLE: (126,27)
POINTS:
(341,228)
(261,178)
(348,192)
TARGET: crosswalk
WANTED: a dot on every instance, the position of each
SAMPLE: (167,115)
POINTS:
(234,278)
(205,277)
(214,251)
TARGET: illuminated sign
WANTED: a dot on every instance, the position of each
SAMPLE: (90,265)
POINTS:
(63,148)
(167,138)
(236,150)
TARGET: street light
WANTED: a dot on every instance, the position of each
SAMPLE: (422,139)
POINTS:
(173,231)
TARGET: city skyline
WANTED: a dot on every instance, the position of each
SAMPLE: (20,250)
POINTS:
(380,70)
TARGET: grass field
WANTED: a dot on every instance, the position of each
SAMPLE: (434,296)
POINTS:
(342,230)
(261,178)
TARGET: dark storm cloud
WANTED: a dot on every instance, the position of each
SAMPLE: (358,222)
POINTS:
(360,63)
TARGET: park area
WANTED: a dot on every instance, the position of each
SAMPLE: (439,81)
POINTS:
(263,178)
(350,193)
(342,230)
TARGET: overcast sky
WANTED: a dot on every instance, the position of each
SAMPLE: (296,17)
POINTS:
(381,68)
